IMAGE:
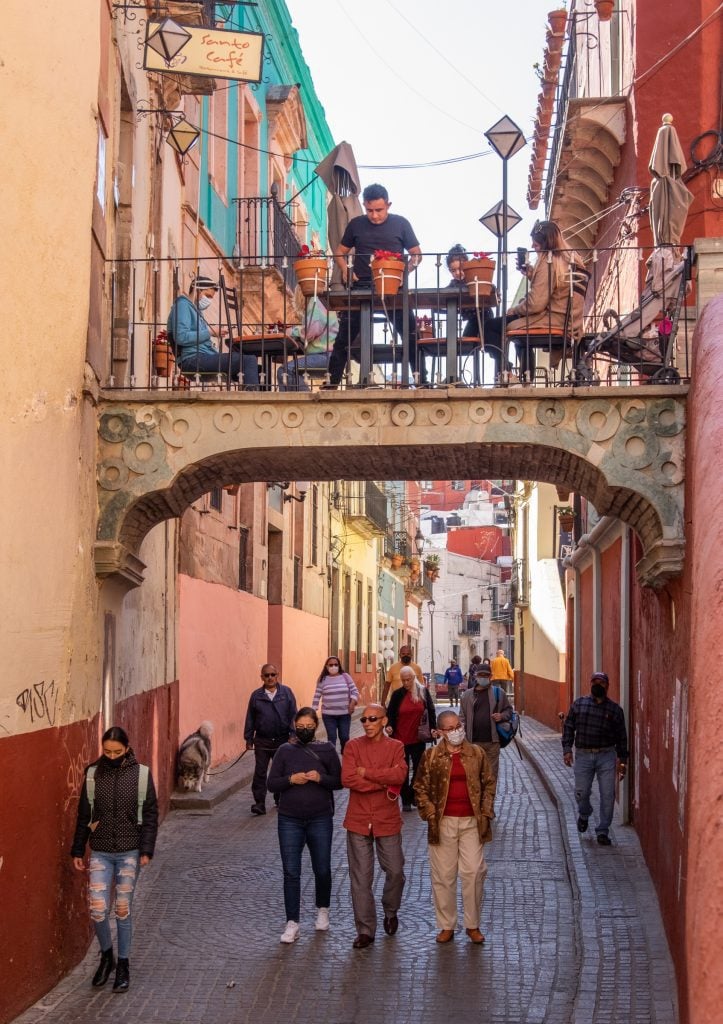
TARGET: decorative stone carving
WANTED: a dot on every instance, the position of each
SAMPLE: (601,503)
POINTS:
(622,448)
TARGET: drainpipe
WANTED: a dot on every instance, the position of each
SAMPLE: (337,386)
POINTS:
(625,660)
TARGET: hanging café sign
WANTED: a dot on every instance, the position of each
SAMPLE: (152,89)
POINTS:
(210,52)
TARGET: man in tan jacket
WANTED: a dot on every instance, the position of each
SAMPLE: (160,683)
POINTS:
(455,796)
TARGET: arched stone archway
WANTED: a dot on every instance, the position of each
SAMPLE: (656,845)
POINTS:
(622,448)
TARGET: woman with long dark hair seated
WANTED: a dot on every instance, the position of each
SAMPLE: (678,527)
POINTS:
(546,312)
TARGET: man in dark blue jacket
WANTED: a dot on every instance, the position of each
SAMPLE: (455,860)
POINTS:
(269,720)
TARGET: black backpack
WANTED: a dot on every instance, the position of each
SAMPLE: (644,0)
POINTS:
(506,731)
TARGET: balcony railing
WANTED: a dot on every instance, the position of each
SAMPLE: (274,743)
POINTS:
(469,625)
(634,331)
(367,501)
(265,237)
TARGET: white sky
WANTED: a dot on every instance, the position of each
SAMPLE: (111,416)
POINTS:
(388,92)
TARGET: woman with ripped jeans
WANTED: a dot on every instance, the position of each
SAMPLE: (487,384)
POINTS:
(118,818)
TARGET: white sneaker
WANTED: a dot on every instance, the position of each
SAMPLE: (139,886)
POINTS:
(322,919)
(290,933)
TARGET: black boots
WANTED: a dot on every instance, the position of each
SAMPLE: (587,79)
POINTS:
(122,976)
(106,965)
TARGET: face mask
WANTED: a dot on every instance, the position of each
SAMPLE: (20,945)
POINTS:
(111,762)
(456,737)
(332,670)
(204,302)
(482,681)
(305,735)
(406,660)
(598,690)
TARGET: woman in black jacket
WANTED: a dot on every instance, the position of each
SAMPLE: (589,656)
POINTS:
(305,774)
(118,815)
(411,719)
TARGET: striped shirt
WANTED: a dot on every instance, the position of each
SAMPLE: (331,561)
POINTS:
(335,692)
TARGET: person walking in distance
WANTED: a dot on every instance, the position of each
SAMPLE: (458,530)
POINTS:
(305,774)
(118,818)
(502,673)
(393,680)
(596,726)
(337,692)
(455,796)
(453,679)
(412,719)
(373,770)
(480,709)
(269,719)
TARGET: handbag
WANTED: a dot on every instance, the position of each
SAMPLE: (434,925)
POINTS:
(424,732)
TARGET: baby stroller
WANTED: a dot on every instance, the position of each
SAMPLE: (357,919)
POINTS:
(645,338)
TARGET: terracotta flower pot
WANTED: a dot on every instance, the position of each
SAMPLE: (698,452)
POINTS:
(604,9)
(311,274)
(163,359)
(397,561)
(387,275)
(554,42)
(556,20)
(566,523)
(479,274)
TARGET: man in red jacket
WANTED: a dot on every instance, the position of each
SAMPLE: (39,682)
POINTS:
(373,769)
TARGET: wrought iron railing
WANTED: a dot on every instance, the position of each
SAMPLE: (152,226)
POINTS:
(635,330)
(469,625)
(265,236)
(366,500)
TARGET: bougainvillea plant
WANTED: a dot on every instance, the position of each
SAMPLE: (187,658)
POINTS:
(382,254)
(306,253)
(481,256)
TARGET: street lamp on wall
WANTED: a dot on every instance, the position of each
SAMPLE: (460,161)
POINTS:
(168,39)
(183,136)
(506,138)
(302,486)
(419,541)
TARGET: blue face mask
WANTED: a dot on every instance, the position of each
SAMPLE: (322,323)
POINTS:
(204,302)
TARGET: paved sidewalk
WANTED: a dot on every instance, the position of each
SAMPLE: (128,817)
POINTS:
(209,913)
(626,974)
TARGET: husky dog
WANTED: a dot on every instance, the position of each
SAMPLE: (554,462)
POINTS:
(194,758)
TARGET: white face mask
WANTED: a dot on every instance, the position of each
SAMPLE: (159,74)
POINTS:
(456,737)
(204,302)
(332,670)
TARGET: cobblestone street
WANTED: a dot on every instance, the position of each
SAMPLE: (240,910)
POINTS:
(573,931)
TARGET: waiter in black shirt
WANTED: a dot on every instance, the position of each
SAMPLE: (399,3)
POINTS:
(377,229)
(596,725)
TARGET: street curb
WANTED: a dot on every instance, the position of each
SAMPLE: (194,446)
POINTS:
(587,954)
(221,787)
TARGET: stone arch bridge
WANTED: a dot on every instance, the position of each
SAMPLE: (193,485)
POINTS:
(622,448)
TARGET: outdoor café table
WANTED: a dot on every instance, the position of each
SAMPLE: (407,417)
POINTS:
(450,301)
(271,348)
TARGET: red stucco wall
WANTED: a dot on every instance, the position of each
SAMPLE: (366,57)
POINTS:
(703,879)
(223,640)
(298,646)
(45,929)
(610,565)
(544,698)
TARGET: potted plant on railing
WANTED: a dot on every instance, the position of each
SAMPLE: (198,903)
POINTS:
(164,360)
(387,272)
(479,273)
(556,20)
(431,567)
(397,560)
(312,270)
(566,517)
(604,9)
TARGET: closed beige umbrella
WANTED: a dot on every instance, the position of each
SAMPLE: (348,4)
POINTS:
(339,173)
(669,197)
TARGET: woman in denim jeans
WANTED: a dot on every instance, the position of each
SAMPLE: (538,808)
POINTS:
(120,845)
(305,774)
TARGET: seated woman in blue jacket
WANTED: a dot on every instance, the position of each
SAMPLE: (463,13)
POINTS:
(191,336)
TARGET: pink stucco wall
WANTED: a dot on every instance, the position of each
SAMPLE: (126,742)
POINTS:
(223,639)
(704,879)
(298,646)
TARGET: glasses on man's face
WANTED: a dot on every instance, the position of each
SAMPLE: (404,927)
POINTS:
(269,675)
(371,718)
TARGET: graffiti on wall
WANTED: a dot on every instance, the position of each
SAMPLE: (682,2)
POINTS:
(39,702)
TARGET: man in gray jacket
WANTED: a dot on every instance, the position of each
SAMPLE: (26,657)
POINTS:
(480,709)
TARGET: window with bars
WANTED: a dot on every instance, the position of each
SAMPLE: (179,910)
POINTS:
(315,525)
(215,498)
(243,550)
(297,582)
(359,621)
(370,636)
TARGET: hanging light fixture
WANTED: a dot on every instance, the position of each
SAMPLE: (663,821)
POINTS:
(183,136)
(168,39)
(493,219)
